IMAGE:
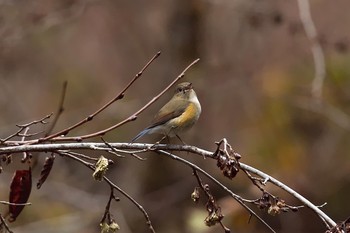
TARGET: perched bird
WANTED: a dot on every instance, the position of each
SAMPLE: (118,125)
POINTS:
(178,115)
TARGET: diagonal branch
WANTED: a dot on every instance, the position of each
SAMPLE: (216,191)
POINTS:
(60,135)
(119,96)
(113,186)
(235,196)
(289,190)
(59,110)
(24,126)
(133,116)
(3,223)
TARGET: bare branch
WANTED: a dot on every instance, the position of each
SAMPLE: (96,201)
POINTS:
(133,116)
(114,186)
(81,155)
(290,191)
(41,121)
(59,136)
(59,110)
(18,204)
(232,194)
(316,48)
(119,96)
(3,223)
(140,207)
(107,216)
(23,127)
(214,210)
(25,154)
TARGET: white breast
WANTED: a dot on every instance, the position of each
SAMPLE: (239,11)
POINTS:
(194,99)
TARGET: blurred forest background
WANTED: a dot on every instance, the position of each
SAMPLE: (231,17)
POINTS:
(254,82)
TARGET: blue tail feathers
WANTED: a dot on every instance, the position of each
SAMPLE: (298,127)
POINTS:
(142,133)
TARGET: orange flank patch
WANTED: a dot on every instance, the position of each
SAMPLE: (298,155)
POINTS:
(188,117)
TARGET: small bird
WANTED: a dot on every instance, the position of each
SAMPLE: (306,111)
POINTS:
(178,115)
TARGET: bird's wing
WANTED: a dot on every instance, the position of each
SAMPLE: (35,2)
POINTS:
(165,115)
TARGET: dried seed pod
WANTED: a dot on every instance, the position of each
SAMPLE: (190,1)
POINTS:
(228,165)
(213,218)
(45,171)
(195,194)
(111,227)
(274,210)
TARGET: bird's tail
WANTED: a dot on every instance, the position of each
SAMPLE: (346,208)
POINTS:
(142,133)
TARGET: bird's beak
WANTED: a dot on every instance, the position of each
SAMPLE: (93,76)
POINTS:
(190,86)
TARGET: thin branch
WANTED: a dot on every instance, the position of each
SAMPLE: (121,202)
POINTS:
(25,154)
(131,117)
(24,126)
(15,204)
(119,96)
(27,135)
(235,196)
(41,121)
(81,155)
(3,223)
(111,184)
(60,135)
(214,210)
(316,48)
(279,184)
(59,110)
(107,214)
(115,151)
(140,207)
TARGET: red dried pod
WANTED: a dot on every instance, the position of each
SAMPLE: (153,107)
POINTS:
(20,188)
(45,171)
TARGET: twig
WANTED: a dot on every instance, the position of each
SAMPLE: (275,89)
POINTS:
(59,136)
(279,184)
(81,155)
(25,154)
(3,223)
(27,135)
(16,204)
(316,48)
(22,127)
(119,96)
(107,214)
(254,180)
(41,121)
(59,110)
(140,207)
(133,116)
(213,209)
(115,151)
(111,184)
(235,196)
